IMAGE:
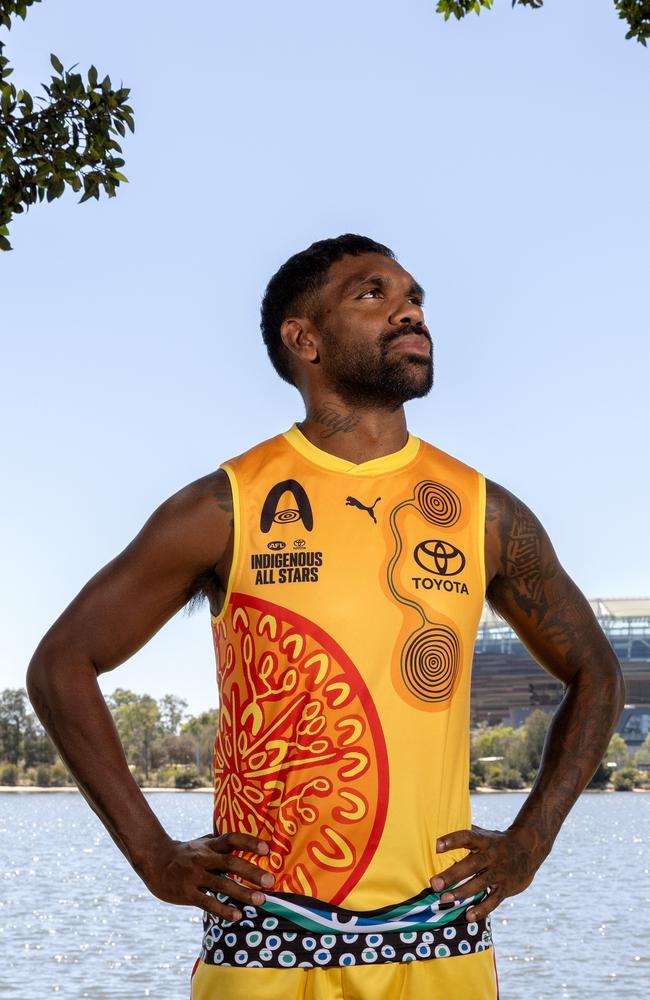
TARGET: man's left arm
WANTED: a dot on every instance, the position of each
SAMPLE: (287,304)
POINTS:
(528,587)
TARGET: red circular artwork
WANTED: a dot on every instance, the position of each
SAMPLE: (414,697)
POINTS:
(299,758)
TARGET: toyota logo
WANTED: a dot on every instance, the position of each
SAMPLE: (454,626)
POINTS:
(442,558)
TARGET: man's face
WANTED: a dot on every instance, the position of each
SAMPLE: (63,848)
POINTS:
(375,347)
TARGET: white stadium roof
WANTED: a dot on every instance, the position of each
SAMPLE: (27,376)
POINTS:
(603,607)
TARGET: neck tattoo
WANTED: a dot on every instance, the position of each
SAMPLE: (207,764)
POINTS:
(334,421)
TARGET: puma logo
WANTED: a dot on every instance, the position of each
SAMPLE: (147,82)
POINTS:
(353,502)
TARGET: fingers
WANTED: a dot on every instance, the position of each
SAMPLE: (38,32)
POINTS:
(477,884)
(227,842)
(491,901)
(235,890)
(189,871)
(471,840)
(238,866)
(212,905)
(471,865)
(499,861)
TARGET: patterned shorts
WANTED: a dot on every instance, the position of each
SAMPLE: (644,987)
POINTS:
(296,931)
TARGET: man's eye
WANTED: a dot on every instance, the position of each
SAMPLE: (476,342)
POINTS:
(371,291)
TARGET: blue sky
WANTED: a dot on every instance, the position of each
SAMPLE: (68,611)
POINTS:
(503,158)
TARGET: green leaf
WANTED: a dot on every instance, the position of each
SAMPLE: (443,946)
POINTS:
(55,189)
(7,98)
(63,137)
(4,243)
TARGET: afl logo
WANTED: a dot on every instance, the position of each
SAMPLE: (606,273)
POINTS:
(276,545)
(442,558)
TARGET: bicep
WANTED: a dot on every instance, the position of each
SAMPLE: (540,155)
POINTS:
(129,600)
(535,595)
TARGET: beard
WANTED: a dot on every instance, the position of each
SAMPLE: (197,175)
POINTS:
(364,378)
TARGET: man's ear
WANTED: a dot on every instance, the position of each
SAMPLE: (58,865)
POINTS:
(300,338)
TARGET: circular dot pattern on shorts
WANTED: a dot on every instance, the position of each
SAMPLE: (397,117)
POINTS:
(262,941)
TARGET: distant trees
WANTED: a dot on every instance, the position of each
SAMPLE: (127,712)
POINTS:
(503,757)
(163,744)
(166,747)
(617,752)
(635,12)
(137,718)
(22,738)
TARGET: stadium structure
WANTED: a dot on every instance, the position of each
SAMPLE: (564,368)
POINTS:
(508,683)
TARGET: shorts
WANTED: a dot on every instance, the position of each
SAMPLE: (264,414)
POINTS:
(461,977)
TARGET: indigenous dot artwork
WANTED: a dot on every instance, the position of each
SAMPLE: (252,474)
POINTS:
(262,941)
(300,758)
(439,504)
(430,663)
(426,667)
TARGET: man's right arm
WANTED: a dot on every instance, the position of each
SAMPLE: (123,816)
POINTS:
(188,539)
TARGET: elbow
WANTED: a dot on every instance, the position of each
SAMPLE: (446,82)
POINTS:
(38,674)
(53,669)
(620,691)
(36,671)
(612,687)
(602,685)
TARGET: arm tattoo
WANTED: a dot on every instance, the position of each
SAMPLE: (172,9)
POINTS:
(223,494)
(546,609)
(208,584)
(523,561)
(530,579)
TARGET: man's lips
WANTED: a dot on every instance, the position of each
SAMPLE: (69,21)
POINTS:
(414,343)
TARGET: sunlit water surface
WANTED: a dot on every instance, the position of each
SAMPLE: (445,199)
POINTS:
(75,921)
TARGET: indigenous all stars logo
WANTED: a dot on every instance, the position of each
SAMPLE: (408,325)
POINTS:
(300,758)
(286,503)
(299,511)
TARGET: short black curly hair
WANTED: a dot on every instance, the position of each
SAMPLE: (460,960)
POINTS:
(295,283)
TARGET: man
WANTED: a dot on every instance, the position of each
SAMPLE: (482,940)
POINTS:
(346,565)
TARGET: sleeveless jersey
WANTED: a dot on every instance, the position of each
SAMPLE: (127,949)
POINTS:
(344,651)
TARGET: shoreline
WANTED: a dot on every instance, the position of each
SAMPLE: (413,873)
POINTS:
(73,788)
(481,790)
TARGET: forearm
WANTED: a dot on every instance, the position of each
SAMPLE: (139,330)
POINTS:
(575,743)
(71,707)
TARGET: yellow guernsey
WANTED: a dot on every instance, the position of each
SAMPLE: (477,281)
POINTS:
(344,654)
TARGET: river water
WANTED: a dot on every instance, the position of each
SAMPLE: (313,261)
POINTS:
(75,920)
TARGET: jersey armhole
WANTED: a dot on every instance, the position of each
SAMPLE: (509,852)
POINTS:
(481,529)
(236,544)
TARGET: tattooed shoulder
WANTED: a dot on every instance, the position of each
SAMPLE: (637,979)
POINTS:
(210,582)
(522,558)
(222,492)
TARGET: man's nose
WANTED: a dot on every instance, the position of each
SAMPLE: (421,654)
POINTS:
(408,314)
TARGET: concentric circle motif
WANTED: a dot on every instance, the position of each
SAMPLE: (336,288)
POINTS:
(300,759)
(287,515)
(439,504)
(430,663)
